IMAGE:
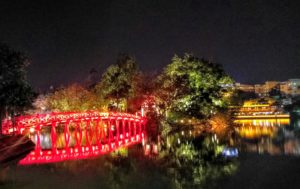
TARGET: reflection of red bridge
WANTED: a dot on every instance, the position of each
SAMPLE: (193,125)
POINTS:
(84,134)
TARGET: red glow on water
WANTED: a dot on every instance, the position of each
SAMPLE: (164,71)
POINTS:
(50,156)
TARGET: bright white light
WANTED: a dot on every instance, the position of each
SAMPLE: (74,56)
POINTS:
(31,129)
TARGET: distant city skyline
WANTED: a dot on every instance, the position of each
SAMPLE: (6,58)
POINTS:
(289,88)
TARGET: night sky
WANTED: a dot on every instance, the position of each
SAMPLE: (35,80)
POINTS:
(254,40)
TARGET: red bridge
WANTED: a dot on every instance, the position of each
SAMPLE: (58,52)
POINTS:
(66,136)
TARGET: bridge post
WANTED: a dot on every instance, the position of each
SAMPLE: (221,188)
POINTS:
(53,137)
(102,134)
(129,129)
(87,136)
(139,129)
(118,132)
(123,130)
(93,131)
(97,133)
(134,129)
(38,140)
(109,133)
(78,131)
(67,134)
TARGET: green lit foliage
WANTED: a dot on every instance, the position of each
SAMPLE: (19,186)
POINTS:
(73,98)
(193,86)
(119,82)
(15,91)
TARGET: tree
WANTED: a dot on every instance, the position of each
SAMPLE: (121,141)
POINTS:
(40,105)
(119,82)
(72,98)
(144,90)
(15,92)
(194,87)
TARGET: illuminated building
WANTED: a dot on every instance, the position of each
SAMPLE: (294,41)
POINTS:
(259,89)
(265,89)
(244,87)
(271,85)
(260,108)
(271,88)
(284,88)
(290,88)
(257,105)
(294,86)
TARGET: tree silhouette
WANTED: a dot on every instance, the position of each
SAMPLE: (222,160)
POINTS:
(15,91)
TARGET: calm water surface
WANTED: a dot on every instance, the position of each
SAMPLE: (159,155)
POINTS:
(183,159)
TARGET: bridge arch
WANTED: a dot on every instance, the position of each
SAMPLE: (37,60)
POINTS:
(80,135)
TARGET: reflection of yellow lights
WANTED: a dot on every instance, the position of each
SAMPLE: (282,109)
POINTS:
(263,122)
(250,128)
(255,132)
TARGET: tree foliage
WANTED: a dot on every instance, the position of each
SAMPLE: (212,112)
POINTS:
(193,86)
(15,91)
(73,98)
(144,90)
(119,82)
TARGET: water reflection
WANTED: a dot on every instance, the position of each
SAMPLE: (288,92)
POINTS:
(191,160)
(254,132)
(268,136)
(54,145)
(263,122)
(182,159)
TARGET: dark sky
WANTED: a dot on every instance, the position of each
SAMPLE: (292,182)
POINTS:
(254,40)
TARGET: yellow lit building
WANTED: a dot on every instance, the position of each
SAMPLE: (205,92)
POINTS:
(260,108)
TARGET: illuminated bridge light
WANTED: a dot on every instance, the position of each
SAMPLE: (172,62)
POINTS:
(125,129)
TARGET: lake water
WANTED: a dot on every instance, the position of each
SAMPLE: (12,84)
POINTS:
(268,156)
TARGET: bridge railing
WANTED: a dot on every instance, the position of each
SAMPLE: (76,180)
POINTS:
(32,121)
(82,134)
